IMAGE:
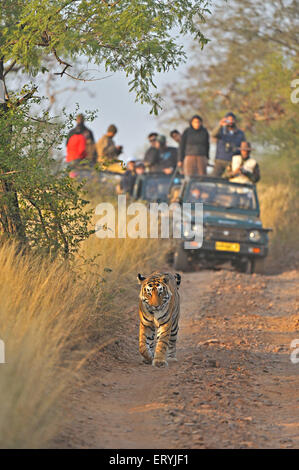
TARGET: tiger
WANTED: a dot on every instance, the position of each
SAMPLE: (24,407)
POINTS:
(159,312)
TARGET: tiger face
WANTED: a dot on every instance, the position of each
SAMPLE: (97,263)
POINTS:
(155,291)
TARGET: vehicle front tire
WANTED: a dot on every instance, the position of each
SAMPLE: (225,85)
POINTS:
(259,266)
(180,262)
(245,266)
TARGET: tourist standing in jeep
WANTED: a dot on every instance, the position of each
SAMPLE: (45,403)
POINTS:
(194,148)
(106,148)
(152,155)
(244,168)
(81,129)
(176,136)
(229,138)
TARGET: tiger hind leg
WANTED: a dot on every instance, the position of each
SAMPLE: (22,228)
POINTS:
(171,353)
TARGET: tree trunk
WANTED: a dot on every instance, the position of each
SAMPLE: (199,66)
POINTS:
(10,219)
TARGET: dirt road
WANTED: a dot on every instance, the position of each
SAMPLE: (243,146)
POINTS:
(233,387)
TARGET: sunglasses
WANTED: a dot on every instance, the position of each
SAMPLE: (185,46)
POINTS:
(153,140)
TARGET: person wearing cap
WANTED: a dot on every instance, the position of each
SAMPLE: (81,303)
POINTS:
(139,168)
(229,138)
(81,129)
(167,155)
(106,148)
(244,168)
(194,148)
(152,156)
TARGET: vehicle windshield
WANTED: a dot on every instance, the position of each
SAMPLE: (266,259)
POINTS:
(229,196)
(156,188)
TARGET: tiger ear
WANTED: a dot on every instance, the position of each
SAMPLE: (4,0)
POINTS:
(140,278)
(178,278)
(166,279)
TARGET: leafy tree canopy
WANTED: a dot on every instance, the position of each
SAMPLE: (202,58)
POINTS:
(134,36)
(248,65)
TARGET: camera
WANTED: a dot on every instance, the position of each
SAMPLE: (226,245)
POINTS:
(229,147)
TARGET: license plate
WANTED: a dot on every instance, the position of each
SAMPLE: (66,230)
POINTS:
(226,246)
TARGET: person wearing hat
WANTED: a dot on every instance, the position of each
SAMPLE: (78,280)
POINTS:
(229,138)
(106,148)
(139,168)
(194,148)
(244,168)
(167,155)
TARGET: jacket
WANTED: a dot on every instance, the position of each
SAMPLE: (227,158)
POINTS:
(76,148)
(106,148)
(195,142)
(228,142)
(168,158)
(249,168)
(152,157)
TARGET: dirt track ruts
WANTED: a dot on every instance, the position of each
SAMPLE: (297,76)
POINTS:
(233,387)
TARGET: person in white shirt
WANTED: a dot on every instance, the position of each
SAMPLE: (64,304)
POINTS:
(244,168)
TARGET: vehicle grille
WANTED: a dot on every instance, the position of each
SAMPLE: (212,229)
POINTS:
(230,234)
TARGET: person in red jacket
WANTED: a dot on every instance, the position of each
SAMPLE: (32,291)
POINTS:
(76,148)
(75,152)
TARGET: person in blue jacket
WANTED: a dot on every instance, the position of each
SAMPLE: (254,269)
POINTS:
(229,138)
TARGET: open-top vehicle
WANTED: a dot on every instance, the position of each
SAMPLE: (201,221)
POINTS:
(232,229)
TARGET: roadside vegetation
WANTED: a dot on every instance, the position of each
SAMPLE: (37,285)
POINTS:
(54,316)
(63,292)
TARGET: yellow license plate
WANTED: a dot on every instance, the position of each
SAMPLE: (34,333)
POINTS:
(225,246)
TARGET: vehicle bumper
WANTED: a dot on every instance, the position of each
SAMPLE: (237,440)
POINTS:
(208,250)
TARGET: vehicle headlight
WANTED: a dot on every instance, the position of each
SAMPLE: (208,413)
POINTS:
(255,236)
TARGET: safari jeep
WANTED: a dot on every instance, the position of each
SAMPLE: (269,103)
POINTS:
(232,229)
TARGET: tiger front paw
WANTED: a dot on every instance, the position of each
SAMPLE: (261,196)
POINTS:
(147,361)
(159,363)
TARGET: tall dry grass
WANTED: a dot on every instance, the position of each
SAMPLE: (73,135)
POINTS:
(43,311)
(52,316)
(280,211)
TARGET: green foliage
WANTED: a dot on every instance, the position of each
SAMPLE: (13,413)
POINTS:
(53,214)
(129,35)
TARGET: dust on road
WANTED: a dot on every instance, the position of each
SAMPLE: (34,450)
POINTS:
(233,387)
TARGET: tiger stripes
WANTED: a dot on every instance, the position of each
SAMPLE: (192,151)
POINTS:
(159,311)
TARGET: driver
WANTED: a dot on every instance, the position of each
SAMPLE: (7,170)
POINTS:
(226,200)
(195,194)
(200,194)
